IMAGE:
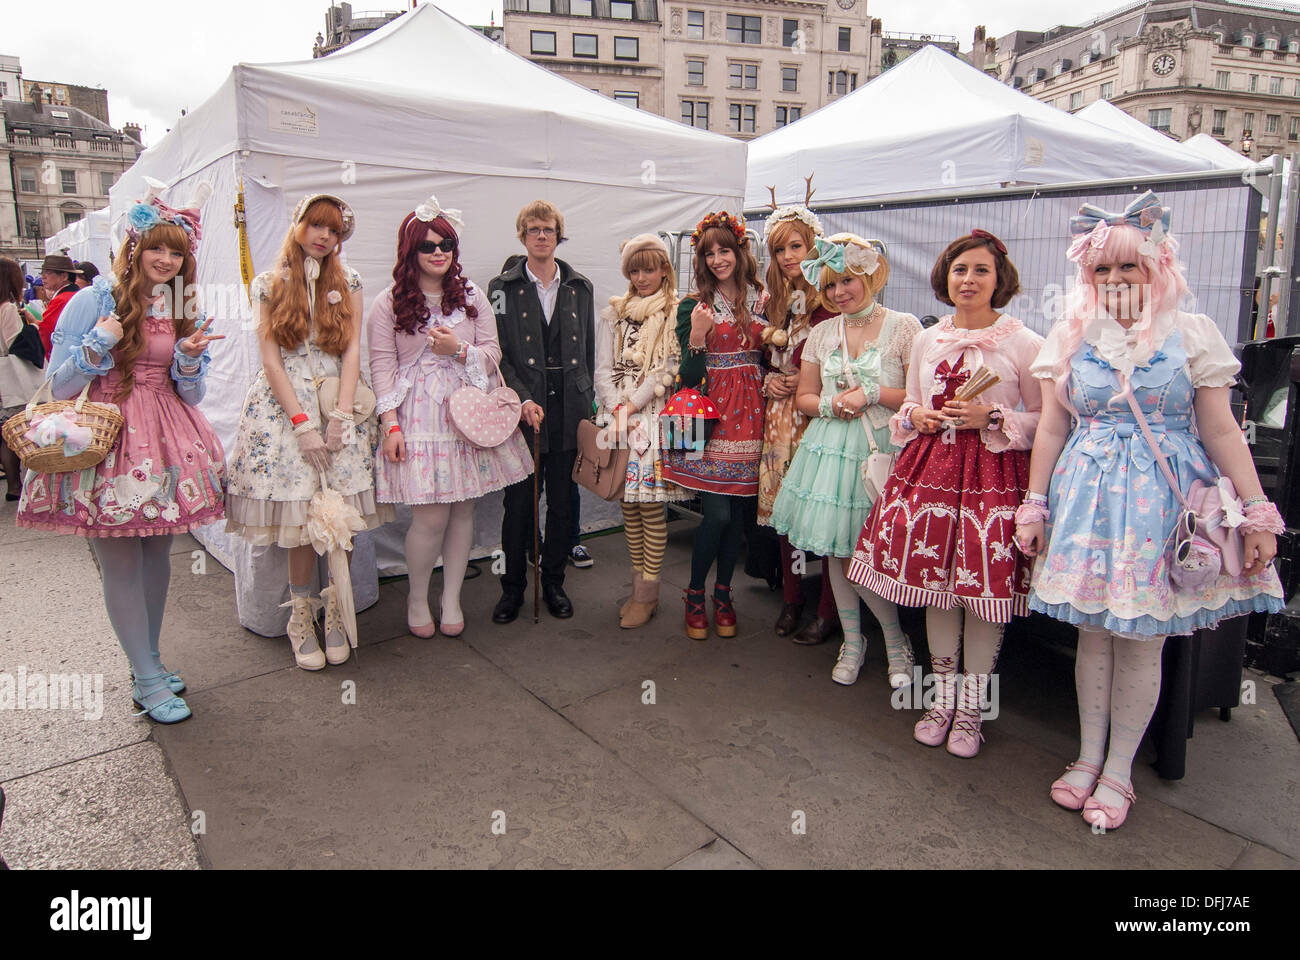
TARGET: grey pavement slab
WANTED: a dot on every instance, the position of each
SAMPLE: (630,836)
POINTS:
(119,810)
(439,746)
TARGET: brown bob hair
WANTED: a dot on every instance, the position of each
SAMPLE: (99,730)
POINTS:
(1008,284)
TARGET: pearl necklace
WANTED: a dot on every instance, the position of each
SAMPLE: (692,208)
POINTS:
(869,316)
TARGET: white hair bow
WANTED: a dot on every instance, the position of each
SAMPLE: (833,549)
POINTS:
(430,210)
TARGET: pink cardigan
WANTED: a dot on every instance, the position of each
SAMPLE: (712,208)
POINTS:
(393,353)
(1008,348)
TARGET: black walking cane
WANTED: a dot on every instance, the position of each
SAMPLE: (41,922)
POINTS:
(537,553)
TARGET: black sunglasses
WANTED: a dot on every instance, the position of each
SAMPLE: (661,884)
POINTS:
(446,246)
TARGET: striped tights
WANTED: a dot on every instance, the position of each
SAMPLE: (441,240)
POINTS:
(646,527)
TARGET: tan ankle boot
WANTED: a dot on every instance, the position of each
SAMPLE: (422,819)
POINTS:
(644,603)
(302,633)
(627,604)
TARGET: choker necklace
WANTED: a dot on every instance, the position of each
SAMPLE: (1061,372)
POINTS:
(864,317)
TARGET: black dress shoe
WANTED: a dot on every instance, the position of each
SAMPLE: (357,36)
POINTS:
(507,608)
(818,631)
(557,602)
(788,622)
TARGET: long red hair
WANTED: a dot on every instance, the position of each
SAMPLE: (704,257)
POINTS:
(133,293)
(410,308)
(287,317)
(746,274)
(780,290)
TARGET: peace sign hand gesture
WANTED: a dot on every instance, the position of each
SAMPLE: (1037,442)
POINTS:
(197,342)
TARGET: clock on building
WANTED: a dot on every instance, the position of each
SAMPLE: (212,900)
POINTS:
(847,4)
(1163,65)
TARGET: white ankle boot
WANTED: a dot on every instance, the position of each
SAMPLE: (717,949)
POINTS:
(850,660)
(302,633)
(337,649)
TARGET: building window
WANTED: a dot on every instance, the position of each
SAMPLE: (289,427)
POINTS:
(1076,100)
(543,42)
(581,8)
(1293,133)
(1220,123)
(789,79)
(695,73)
(744,75)
(695,113)
(31,223)
(1160,119)
(1247,39)
(846,38)
(105,181)
(1248,122)
(4,89)
(70,217)
(626,48)
(1296,91)
(628,98)
(838,82)
(742,117)
(27,181)
(1272,122)
(742,29)
(68,180)
(539,6)
(786,115)
(1270,43)
(1222,80)
(1253,83)
(789,32)
(586,45)
(1293,45)
(622,9)
(1274,84)
(694,24)
(1107,89)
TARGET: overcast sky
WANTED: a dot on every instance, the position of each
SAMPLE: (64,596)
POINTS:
(157,57)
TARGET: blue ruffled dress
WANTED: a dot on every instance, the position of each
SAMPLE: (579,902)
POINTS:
(1110,539)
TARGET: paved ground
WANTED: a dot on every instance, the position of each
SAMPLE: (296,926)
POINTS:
(538,746)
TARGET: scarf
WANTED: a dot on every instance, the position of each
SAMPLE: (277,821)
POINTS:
(650,313)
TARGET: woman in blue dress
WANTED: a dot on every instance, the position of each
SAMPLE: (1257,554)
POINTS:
(1107,528)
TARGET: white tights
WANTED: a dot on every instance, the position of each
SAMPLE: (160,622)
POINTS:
(445,529)
(1118,684)
(977,642)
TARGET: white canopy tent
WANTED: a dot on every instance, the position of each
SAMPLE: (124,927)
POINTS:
(936,125)
(1225,158)
(1106,114)
(422,106)
(86,239)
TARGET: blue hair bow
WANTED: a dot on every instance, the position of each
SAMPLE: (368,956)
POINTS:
(828,255)
(1144,213)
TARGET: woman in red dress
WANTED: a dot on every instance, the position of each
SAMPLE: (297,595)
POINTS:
(720,328)
(941,534)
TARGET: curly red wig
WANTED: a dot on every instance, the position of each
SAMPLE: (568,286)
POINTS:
(410,308)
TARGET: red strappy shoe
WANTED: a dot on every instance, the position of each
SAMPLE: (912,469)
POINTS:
(697,620)
(724,614)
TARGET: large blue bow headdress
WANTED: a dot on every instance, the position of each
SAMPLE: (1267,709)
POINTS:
(1092,225)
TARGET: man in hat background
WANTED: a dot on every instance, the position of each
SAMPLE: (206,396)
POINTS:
(57,273)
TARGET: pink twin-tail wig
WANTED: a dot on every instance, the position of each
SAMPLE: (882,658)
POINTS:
(410,308)
(1165,288)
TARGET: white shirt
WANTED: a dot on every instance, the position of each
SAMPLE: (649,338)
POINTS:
(546,292)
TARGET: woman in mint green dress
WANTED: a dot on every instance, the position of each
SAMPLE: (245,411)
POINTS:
(823,503)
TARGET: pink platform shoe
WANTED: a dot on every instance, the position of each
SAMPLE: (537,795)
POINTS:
(1104,816)
(1067,795)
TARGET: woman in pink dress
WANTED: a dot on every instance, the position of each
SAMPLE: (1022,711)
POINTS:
(941,534)
(166,472)
(431,332)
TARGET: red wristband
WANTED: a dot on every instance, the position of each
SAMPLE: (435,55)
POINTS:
(392,429)
(300,418)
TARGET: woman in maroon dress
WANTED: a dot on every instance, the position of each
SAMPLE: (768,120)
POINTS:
(941,535)
(720,328)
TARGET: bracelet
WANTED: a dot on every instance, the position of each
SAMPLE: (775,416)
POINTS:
(392,429)
(1031,512)
(1252,500)
(342,417)
(824,407)
(1263,518)
(462,352)
(299,419)
(1032,497)
(304,427)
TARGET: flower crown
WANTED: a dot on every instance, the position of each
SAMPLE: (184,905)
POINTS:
(151,211)
(720,219)
(793,212)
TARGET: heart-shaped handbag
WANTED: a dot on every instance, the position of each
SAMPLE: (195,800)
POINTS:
(485,418)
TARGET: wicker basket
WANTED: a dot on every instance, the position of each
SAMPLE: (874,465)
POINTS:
(103,420)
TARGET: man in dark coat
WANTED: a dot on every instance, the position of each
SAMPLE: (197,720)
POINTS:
(545,314)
